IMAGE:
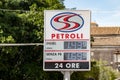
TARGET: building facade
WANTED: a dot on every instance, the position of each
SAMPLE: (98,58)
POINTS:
(106,42)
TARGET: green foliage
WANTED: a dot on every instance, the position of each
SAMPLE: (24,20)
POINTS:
(99,71)
(106,72)
(84,75)
(24,62)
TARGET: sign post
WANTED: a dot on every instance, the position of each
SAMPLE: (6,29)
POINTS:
(67,75)
(66,41)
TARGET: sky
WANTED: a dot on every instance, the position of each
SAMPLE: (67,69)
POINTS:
(103,12)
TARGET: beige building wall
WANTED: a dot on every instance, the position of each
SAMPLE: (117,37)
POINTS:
(106,42)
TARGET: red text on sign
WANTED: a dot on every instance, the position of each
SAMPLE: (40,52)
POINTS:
(67,36)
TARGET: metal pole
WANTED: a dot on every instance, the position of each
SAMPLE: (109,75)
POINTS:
(66,74)
(20,44)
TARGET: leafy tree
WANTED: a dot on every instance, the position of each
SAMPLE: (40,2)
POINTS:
(99,71)
(21,21)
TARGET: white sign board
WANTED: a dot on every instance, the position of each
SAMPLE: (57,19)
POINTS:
(66,40)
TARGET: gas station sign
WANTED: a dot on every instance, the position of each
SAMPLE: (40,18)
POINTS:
(66,40)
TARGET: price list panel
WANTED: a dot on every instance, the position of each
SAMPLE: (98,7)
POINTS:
(68,55)
(66,45)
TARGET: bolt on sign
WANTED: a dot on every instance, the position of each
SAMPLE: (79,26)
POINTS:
(66,40)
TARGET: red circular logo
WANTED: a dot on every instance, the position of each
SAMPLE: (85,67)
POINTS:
(67,22)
